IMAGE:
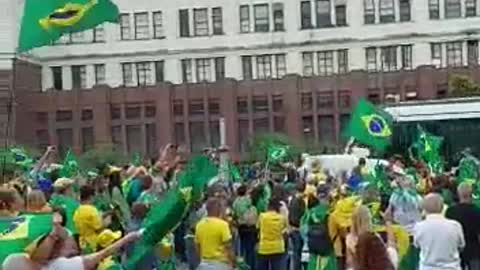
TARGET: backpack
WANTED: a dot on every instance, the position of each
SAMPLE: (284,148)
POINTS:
(319,241)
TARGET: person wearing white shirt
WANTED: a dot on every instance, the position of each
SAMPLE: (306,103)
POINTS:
(439,239)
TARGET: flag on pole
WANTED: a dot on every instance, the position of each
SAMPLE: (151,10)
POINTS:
(370,125)
(45,21)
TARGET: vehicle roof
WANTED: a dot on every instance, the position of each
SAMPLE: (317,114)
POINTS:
(431,110)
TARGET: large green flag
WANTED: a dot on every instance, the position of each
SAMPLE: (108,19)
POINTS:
(370,125)
(45,21)
(70,165)
(20,232)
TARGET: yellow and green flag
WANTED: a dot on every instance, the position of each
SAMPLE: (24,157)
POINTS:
(370,125)
(45,21)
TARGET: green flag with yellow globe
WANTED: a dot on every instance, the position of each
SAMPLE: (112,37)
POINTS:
(370,125)
(45,21)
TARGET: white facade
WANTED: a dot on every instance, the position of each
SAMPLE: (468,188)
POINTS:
(420,32)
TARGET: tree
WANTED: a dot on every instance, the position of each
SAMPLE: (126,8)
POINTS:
(463,86)
(101,157)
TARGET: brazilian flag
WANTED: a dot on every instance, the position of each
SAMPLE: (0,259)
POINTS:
(45,21)
(370,125)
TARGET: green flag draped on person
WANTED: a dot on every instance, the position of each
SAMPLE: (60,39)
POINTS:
(370,125)
(21,232)
(166,214)
(45,21)
(427,147)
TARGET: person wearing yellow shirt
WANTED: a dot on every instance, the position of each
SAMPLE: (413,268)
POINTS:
(271,249)
(213,239)
(88,220)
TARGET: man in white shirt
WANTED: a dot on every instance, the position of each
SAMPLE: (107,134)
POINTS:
(439,239)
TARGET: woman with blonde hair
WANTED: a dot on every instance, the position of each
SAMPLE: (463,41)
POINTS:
(36,202)
(366,250)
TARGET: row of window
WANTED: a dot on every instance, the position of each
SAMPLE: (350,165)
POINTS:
(267,66)
(452,9)
(266,17)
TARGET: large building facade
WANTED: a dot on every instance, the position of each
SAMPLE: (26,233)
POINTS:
(169,70)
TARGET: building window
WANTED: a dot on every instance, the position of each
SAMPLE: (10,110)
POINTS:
(373,95)
(200,22)
(79,77)
(307,101)
(323,13)
(389,58)
(127,72)
(99,34)
(204,70)
(63,116)
(195,107)
(306,13)
(247,67)
(307,58)
(434,9)
(308,127)
(125,31)
(407,57)
(144,73)
(344,101)
(277,103)
(133,112)
(217,21)
(260,104)
(278,17)
(261,125)
(87,115)
(219,68)
(77,37)
(436,52)
(454,54)
(470,8)
(187,70)
(64,140)
(57,78)
(244,19)
(405,11)
(214,106)
(342,61)
(43,138)
(281,65)
(243,135)
(472,52)
(325,100)
(452,9)
(141,26)
(242,105)
(264,67)
(99,74)
(134,139)
(88,139)
(117,138)
(371,55)
(157,18)
(387,11)
(159,71)
(179,131)
(326,129)
(178,107)
(325,63)
(369,11)
(151,139)
(341,15)
(198,140)
(262,23)
(184,23)
(115,112)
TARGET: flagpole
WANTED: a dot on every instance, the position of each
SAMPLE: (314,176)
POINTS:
(349,144)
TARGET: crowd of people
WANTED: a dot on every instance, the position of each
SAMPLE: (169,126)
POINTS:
(296,218)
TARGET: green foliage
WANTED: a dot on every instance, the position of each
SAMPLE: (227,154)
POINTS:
(101,157)
(463,86)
